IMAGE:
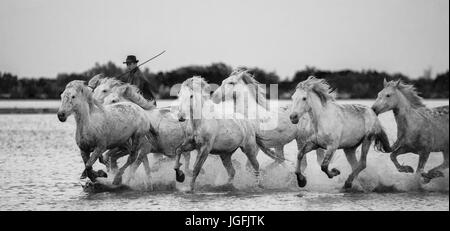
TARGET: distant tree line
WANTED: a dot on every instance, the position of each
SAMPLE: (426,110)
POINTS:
(349,83)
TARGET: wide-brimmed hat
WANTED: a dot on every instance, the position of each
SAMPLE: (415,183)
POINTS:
(131,59)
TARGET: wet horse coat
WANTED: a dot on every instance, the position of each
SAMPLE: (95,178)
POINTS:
(336,127)
(420,130)
(102,127)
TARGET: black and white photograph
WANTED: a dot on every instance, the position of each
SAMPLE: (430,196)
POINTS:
(237,105)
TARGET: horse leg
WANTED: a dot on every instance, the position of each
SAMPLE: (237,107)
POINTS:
(350,154)
(114,157)
(226,161)
(361,165)
(400,168)
(423,158)
(203,153)
(88,166)
(331,149)
(436,171)
(251,151)
(301,179)
(118,178)
(186,146)
(136,144)
(320,155)
(280,153)
(179,175)
(85,157)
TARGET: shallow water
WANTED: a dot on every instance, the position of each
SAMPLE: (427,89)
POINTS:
(40,165)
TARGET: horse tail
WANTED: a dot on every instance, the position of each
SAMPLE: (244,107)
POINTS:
(381,139)
(268,151)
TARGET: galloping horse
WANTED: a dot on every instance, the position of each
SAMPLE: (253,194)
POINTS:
(336,127)
(212,132)
(168,133)
(249,98)
(420,130)
(102,127)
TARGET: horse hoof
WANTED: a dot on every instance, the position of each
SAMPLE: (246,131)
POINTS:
(101,173)
(335,172)
(179,175)
(91,175)
(430,175)
(301,180)
(426,178)
(406,169)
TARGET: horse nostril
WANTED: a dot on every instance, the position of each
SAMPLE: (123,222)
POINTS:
(374,109)
(181,119)
(294,118)
(61,116)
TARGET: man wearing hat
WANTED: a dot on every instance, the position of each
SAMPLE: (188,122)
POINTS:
(135,77)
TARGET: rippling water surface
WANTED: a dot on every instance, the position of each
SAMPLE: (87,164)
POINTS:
(40,165)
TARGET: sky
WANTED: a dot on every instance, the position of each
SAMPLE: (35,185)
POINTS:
(47,37)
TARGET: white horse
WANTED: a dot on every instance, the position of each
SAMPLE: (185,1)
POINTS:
(212,133)
(102,127)
(167,132)
(336,127)
(420,130)
(249,98)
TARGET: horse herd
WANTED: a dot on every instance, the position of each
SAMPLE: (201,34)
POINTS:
(114,120)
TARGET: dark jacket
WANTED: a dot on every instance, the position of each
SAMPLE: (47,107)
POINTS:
(136,78)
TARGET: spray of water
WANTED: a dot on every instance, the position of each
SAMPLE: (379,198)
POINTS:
(379,176)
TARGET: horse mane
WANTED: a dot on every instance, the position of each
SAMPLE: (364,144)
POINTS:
(132,93)
(257,90)
(320,87)
(80,86)
(409,91)
(95,81)
(193,83)
(129,91)
(111,82)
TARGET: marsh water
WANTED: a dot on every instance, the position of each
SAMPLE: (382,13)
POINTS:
(40,167)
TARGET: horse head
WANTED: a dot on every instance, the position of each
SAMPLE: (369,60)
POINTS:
(239,86)
(194,92)
(74,96)
(394,94)
(309,93)
(104,87)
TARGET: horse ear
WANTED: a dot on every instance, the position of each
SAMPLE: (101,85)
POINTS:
(93,83)
(397,83)
(126,89)
(385,82)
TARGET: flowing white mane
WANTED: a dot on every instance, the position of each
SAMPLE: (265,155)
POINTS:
(320,87)
(257,89)
(409,91)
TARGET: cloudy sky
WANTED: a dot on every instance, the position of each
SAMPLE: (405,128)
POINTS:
(46,37)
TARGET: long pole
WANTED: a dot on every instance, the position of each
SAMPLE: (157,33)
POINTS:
(154,57)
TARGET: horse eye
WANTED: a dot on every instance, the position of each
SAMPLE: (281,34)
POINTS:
(73,97)
(192,96)
(104,91)
(388,95)
(304,98)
